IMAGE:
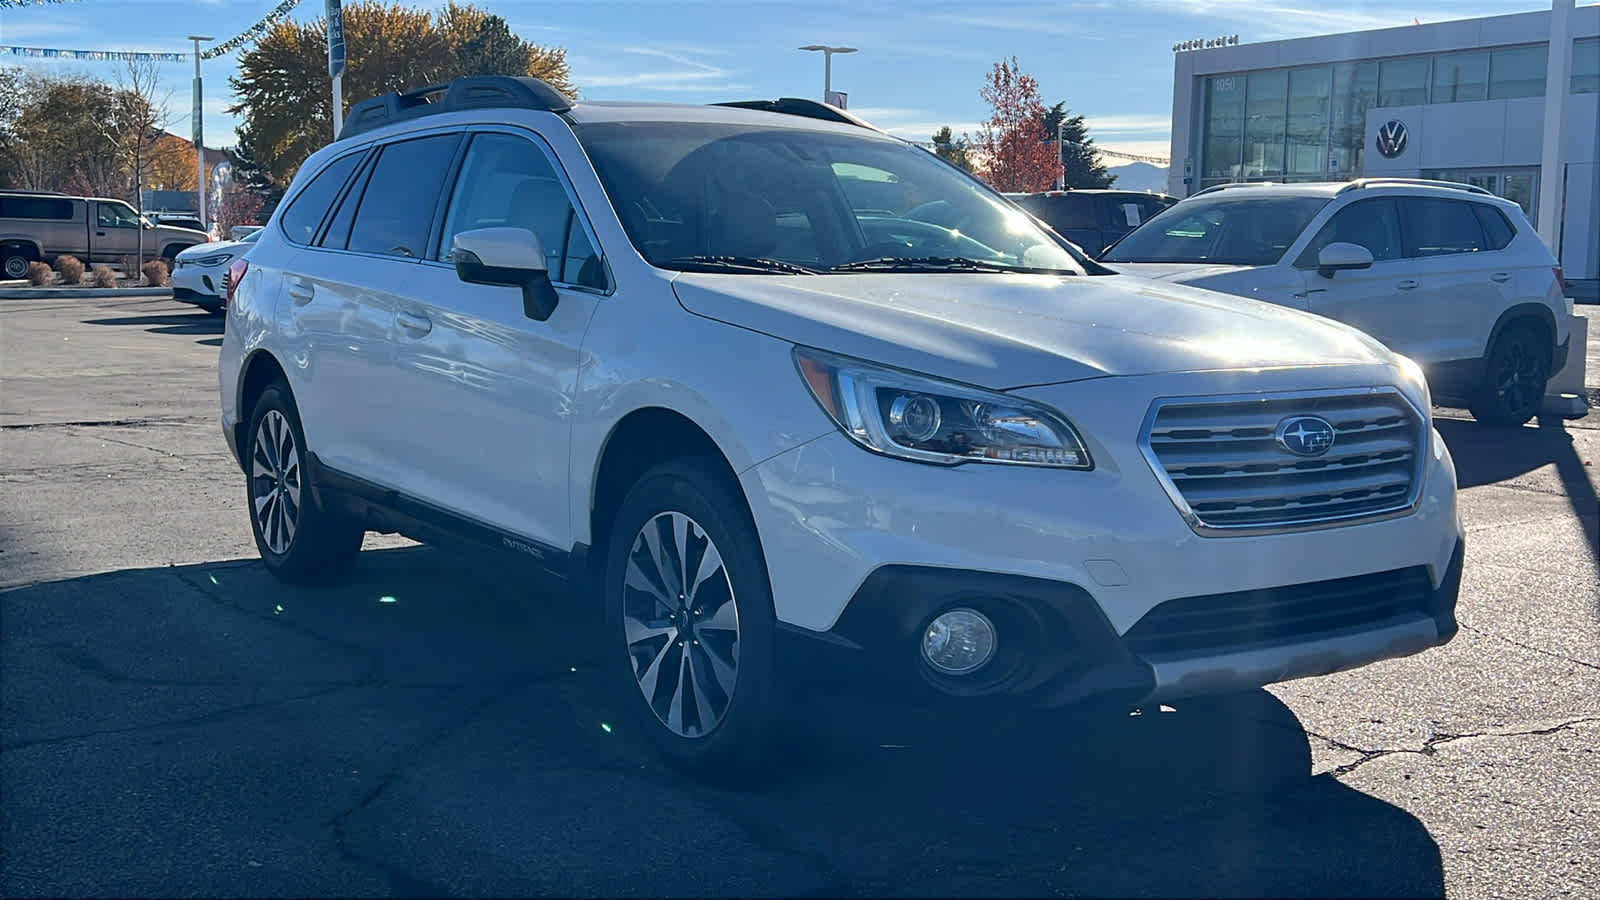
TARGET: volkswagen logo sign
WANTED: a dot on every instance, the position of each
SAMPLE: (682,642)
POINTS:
(1392,138)
(1305,435)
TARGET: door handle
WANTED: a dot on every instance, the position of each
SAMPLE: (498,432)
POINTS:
(99,234)
(301,291)
(1500,277)
(416,325)
(1408,284)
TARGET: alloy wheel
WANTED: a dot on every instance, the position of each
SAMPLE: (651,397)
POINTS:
(275,482)
(1519,378)
(681,624)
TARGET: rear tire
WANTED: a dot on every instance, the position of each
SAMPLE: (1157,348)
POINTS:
(299,541)
(1516,373)
(14,261)
(693,656)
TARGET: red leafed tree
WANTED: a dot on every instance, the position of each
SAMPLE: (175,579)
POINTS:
(1011,144)
(240,206)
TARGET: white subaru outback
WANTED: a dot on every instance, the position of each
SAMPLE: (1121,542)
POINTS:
(762,378)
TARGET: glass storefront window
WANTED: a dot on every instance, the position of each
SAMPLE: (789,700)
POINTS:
(1586,66)
(1266,116)
(1518,188)
(1403,82)
(1309,90)
(1517,72)
(1460,77)
(1355,90)
(1224,129)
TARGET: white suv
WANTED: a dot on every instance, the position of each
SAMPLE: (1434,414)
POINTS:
(757,381)
(1447,274)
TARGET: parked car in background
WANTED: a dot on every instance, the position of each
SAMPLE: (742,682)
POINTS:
(199,273)
(652,350)
(177,220)
(240,232)
(1448,274)
(38,225)
(1091,218)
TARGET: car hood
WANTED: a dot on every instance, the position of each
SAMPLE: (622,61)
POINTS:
(210,248)
(1009,331)
(1177,273)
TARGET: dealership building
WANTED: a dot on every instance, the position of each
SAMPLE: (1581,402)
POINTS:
(1461,100)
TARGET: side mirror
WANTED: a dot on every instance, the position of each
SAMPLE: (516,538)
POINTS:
(513,257)
(1339,256)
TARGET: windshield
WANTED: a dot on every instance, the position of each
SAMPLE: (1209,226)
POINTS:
(1245,229)
(792,201)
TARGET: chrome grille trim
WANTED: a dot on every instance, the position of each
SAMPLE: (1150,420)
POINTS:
(1219,462)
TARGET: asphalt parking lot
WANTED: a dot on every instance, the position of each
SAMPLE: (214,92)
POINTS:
(174,723)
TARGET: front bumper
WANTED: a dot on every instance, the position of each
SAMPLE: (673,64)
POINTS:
(863,549)
(198,284)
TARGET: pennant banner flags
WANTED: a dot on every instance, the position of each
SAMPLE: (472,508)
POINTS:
(52,53)
(258,29)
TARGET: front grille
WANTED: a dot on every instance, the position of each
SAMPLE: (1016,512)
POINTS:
(1224,622)
(1221,461)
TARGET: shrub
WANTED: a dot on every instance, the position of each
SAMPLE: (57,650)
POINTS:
(39,274)
(155,273)
(71,269)
(104,277)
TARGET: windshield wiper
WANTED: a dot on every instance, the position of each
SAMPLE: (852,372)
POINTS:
(939,264)
(735,264)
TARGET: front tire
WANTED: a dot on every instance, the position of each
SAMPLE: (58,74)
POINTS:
(690,627)
(1515,377)
(299,541)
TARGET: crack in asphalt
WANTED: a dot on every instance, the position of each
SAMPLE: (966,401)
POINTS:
(1500,637)
(108,423)
(1431,745)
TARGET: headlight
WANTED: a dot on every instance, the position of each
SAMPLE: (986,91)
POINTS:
(1418,381)
(919,418)
(215,259)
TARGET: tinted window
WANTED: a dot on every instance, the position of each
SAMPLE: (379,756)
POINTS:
(508,181)
(1403,82)
(1438,227)
(305,211)
(1071,212)
(398,203)
(1518,72)
(1373,224)
(1124,213)
(337,234)
(1496,229)
(1459,77)
(1227,229)
(35,208)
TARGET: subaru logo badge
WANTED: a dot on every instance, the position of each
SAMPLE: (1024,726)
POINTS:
(1392,138)
(1305,435)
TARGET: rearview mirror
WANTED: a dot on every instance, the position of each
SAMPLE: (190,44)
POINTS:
(1339,256)
(513,257)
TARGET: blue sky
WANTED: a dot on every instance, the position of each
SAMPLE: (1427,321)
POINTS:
(920,63)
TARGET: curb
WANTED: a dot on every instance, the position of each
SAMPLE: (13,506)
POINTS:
(51,293)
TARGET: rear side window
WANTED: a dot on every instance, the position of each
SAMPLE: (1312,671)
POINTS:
(1440,227)
(35,208)
(1123,213)
(1071,211)
(397,206)
(306,211)
(1373,224)
(1497,229)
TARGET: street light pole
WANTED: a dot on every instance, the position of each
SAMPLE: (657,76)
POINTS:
(1061,154)
(199,135)
(827,65)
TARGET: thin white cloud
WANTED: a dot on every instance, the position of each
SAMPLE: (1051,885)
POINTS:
(687,74)
(1275,20)
(30,31)
(1127,124)
(1014,20)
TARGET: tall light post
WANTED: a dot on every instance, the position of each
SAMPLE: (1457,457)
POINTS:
(827,65)
(199,135)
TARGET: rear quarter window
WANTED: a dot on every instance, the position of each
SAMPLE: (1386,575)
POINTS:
(35,208)
(308,208)
(1497,229)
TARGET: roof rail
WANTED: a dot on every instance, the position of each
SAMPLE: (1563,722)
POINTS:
(796,106)
(1232,184)
(1360,183)
(476,92)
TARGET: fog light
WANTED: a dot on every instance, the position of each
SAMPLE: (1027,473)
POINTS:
(958,642)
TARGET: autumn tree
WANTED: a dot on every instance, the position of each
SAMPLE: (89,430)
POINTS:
(138,123)
(1014,154)
(172,165)
(282,83)
(1079,155)
(240,206)
(59,137)
(952,150)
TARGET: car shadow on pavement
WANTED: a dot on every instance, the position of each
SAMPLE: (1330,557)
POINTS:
(1490,456)
(198,322)
(427,728)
